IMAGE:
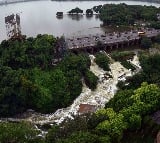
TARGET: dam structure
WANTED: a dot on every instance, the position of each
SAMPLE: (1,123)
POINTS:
(108,41)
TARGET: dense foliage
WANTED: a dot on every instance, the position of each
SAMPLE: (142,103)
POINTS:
(123,57)
(89,12)
(19,60)
(91,80)
(128,65)
(97,8)
(18,133)
(151,72)
(127,112)
(125,115)
(122,14)
(102,61)
(29,53)
(155,24)
(75,11)
(28,79)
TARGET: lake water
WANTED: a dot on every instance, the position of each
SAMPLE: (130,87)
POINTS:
(40,17)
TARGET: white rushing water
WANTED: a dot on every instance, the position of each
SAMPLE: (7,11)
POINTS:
(105,90)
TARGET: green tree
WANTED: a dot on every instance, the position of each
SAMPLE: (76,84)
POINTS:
(102,61)
(135,122)
(12,99)
(97,8)
(59,88)
(121,100)
(114,126)
(75,11)
(122,14)
(91,80)
(18,133)
(89,12)
(80,137)
(155,24)
(148,94)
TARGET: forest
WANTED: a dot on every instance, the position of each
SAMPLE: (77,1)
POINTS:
(30,81)
(122,14)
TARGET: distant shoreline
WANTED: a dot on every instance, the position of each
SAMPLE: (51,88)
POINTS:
(19,1)
(149,1)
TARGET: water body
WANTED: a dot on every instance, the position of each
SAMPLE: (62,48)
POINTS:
(40,17)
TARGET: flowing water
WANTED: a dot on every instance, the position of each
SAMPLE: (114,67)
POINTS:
(105,90)
(40,17)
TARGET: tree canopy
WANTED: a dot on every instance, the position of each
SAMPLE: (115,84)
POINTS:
(122,14)
(29,80)
(75,11)
(102,61)
(89,12)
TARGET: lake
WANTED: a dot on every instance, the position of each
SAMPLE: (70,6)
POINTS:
(39,17)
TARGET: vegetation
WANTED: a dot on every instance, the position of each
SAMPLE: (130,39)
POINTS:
(91,80)
(28,79)
(18,133)
(126,113)
(122,14)
(97,8)
(28,53)
(150,73)
(102,61)
(155,24)
(89,12)
(126,117)
(128,65)
(75,11)
(123,57)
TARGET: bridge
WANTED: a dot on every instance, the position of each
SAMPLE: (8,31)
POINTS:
(109,41)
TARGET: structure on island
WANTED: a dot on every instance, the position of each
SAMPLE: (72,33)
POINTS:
(76,11)
(59,14)
(89,12)
(13,27)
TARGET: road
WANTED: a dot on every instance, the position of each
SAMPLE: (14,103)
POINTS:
(108,39)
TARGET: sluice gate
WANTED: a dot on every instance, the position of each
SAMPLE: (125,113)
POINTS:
(107,42)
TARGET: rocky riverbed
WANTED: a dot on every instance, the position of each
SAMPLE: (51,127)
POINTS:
(105,90)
